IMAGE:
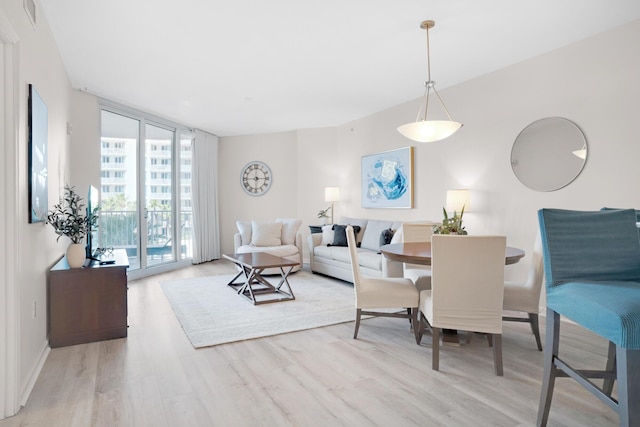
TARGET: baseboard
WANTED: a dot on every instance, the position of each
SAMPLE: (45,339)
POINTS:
(35,372)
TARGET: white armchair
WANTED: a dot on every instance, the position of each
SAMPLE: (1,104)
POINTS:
(280,238)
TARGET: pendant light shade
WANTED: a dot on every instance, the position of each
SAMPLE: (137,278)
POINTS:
(423,130)
(429,130)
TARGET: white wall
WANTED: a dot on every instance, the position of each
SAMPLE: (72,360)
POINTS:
(593,83)
(39,64)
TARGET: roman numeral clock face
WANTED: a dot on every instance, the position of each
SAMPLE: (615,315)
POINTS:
(256,178)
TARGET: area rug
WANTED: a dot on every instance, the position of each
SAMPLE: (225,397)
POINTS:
(211,313)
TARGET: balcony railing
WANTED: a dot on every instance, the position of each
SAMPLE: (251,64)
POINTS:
(119,229)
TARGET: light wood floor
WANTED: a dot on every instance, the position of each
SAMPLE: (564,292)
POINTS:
(319,377)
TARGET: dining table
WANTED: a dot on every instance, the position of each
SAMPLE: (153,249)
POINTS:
(420,253)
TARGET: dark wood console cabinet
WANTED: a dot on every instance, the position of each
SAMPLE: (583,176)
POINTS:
(87,304)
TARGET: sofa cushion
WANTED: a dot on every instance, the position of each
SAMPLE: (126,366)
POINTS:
(290,228)
(322,251)
(366,258)
(244,228)
(281,250)
(340,253)
(266,233)
(370,259)
(371,237)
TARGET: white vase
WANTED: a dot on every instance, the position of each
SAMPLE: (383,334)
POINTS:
(75,255)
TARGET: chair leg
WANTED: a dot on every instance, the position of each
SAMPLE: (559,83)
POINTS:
(490,340)
(607,385)
(628,373)
(533,320)
(414,323)
(551,345)
(358,314)
(497,353)
(435,348)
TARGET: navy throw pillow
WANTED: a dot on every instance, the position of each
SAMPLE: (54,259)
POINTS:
(386,236)
(340,234)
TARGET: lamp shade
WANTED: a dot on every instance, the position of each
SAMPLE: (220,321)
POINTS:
(458,199)
(332,194)
(429,130)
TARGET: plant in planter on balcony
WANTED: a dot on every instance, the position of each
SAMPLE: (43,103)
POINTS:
(70,219)
(451,225)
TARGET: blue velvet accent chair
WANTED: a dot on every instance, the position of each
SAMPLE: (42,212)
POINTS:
(592,270)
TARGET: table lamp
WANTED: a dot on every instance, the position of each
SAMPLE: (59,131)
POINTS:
(457,200)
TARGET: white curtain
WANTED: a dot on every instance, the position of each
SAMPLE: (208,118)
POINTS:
(206,227)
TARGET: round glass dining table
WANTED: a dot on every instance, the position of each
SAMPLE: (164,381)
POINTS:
(420,253)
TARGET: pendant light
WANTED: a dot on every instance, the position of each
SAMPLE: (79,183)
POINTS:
(423,130)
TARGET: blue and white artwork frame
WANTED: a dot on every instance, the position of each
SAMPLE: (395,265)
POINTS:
(387,179)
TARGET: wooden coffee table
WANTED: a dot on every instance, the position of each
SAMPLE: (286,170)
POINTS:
(250,283)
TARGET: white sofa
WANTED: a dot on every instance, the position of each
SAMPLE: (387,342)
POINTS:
(325,258)
(280,238)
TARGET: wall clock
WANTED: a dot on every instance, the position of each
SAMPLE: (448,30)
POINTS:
(256,178)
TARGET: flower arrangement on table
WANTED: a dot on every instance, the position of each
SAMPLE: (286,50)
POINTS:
(451,225)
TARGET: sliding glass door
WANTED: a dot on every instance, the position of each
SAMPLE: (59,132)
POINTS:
(146,189)
(158,218)
(119,223)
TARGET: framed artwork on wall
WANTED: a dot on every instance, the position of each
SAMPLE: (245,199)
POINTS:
(38,123)
(387,179)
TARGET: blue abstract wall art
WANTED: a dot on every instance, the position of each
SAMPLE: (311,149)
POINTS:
(387,179)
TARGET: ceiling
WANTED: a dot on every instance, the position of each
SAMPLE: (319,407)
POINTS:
(249,66)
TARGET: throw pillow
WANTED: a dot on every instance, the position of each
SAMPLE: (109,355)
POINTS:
(244,228)
(340,234)
(290,228)
(386,236)
(327,235)
(362,223)
(371,235)
(266,233)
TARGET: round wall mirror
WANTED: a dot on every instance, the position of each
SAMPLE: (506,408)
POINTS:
(549,154)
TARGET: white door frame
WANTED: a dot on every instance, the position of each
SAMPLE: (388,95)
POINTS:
(9,298)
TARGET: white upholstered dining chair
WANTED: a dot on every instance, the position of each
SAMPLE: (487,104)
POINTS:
(381,293)
(525,296)
(467,279)
(413,232)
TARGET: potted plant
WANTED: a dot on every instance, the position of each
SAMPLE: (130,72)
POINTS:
(69,218)
(324,214)
(451,225)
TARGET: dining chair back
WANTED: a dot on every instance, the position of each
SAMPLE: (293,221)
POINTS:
(373,293)
(525,296)
(592,276)
(417,232)
(466,289)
